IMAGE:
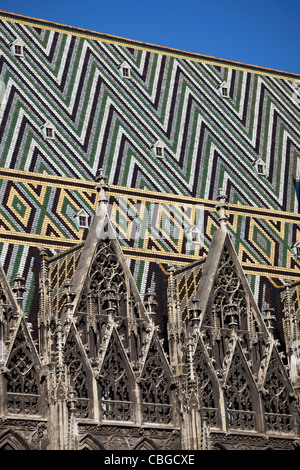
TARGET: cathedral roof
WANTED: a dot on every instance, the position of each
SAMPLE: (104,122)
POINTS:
(41,23)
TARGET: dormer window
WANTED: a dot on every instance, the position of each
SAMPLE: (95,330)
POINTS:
(49,131)
(193,235)
(296,249)
(159,149)
(82,219)
(224,90)
(18,48)
(125,70)
(260,167)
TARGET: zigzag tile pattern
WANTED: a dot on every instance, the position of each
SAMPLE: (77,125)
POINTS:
(40,210)
(104,120)
(61,268)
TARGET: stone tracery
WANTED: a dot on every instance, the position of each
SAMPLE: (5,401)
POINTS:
(104,370)
(114,386)
(22,381)
(155,389)
(77,377)
(239,397)
(106,280)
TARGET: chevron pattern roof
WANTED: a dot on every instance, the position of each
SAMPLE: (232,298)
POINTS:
(71,79)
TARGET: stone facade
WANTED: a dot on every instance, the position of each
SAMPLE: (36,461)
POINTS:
(99,375)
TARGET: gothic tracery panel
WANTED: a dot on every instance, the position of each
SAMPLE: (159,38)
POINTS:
(278,405)
(22,380)
(228,294)
(107,281)
(114,386)
(78,377)
(239,397)
(155,389)
(209,401)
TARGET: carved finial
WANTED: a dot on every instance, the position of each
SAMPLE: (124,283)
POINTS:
(150,304)
(195,312)
(171,268)
(59,352)
(171,282)
(70,296)
(44,263)
(288,303)
(232,315)
(71,400)
(269,319)
(111,297)
(190,351)
(101,186)
(43,251)
(221,208)
(19,288)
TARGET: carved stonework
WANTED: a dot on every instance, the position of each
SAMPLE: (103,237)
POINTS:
(77,376)
(278,402)
(106,280)
(122,438)
(155,389)
(240,442)
(101,376)
(239,399)
(207,389)
(117,442)
(228,290)
(114,386)
(22,381)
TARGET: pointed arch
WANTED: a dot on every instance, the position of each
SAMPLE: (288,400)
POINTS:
(145,444)
(10,440)
(228,289)
(90,443)
(278,399)
(218,446)
(79,374)
(240,393)
(116,383)
(224,289)
(208,387)
(106,274)
(102,278)
(23,380)
(155,387)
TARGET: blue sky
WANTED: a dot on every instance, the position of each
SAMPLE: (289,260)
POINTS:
(264,32)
